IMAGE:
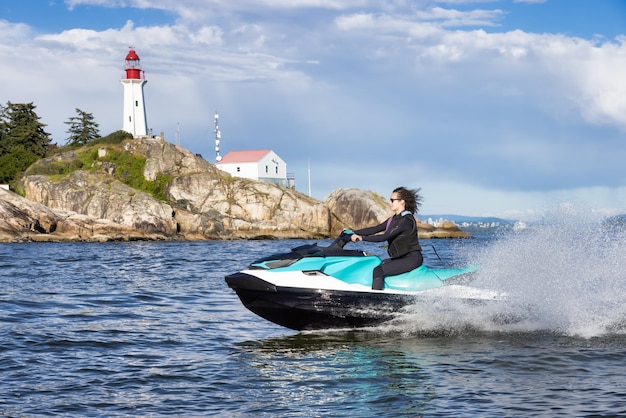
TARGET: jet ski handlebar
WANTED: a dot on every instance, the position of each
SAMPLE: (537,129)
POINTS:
(343,238)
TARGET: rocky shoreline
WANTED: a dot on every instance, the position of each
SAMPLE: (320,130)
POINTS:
(22,220)
(202,203)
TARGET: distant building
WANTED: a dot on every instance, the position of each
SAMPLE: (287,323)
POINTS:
(263,165)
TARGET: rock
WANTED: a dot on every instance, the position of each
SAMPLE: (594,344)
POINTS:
(447,229)
(246,208)
(100,196)
(24,220)
(355,209)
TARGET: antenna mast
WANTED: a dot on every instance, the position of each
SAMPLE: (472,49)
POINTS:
(218,135)
(309,172)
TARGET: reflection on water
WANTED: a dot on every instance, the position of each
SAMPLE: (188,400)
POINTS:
(392,372)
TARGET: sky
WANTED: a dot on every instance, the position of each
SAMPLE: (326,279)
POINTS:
(506,108)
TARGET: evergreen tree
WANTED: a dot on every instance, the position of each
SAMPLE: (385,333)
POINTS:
(22,128)
(82,129)
(23,139)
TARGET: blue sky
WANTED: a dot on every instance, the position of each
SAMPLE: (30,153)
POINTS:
(493,108)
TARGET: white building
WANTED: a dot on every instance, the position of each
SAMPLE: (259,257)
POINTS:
(134,106)
(263,165)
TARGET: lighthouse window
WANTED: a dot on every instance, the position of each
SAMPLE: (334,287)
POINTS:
(238,169)
(276,169)
(267,169)
(130,119)
(136,102)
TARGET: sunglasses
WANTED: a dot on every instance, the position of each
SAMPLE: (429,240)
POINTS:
(393,200)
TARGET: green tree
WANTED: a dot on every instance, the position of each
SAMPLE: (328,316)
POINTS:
(23,139)
(82,129)
(22,128)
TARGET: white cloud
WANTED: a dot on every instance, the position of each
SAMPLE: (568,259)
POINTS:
(457,18)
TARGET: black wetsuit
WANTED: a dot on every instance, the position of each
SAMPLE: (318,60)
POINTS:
(400,231)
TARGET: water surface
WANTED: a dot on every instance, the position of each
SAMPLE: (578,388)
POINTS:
(151,329)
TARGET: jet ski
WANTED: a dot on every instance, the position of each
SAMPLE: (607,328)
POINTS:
(315,287)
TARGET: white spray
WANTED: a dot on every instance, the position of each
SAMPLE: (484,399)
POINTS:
(566,275)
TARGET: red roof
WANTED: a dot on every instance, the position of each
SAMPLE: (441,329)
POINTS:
(251,156)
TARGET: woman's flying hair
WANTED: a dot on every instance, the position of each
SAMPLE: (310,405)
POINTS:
(411,197)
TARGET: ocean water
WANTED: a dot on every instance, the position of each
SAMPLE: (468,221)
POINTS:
(151,329)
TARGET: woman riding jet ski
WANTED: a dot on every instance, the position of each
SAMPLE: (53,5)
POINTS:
(400,231)
(316,287)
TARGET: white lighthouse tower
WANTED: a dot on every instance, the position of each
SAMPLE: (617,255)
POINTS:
(134,106)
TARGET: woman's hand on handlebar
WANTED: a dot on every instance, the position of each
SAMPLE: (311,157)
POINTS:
(356,238)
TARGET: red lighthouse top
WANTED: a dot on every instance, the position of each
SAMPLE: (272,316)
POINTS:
(133,68)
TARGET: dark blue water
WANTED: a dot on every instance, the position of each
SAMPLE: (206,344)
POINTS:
(151,329)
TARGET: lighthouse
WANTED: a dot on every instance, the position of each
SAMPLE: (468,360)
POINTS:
(134,106)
